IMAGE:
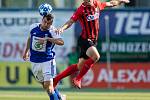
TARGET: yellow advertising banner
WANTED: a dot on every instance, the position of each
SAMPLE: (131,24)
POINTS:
(19,74)
(16,74)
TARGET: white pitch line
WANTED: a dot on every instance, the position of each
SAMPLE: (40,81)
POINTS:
(22,96)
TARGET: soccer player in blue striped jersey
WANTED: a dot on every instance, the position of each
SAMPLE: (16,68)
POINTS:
(40,50)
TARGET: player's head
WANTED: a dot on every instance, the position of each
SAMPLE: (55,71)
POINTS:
(47,21)
(88,2)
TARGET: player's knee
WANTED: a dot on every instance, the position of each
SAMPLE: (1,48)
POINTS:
(46,86)
(96,57)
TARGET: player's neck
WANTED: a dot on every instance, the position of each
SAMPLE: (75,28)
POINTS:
(41,28)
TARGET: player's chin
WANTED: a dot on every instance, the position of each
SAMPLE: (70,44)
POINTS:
(45,28)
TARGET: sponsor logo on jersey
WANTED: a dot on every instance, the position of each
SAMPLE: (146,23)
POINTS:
(92,17)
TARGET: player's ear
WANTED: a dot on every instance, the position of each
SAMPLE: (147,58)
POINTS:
(42,19)
(52,21)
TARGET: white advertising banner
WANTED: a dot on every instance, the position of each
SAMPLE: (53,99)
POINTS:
(14,26)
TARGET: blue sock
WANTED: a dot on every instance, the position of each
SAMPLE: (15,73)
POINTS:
(52,96)
(58,94)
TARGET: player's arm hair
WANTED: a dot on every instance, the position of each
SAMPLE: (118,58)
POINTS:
(67,24)
(57,41)
(27,45)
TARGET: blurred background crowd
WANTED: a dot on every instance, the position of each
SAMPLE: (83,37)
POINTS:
(67,4)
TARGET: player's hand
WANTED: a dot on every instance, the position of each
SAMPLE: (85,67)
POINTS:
(42,40)
(125,1)
(117,2)
(59,31)
(113,3)
(110,4)
(25,56)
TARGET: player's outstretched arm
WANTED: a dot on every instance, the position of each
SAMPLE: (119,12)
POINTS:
(65,26)
(113,3)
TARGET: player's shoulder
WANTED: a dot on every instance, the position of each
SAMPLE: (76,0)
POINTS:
(32,26)
(81,6)
(80,9)
(52,29)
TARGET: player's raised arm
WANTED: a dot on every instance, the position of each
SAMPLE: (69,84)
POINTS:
(65,26)
(116,2)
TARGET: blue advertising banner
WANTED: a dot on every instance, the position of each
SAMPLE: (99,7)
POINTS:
(126,23)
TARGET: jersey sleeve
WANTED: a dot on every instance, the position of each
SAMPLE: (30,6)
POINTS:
(53,33)
(31,27)
(76,14)
(101,5)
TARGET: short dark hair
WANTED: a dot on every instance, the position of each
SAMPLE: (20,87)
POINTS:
(49,17)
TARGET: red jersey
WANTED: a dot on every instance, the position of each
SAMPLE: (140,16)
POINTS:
(88,17)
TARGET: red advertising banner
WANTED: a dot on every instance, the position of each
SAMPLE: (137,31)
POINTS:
(120,75)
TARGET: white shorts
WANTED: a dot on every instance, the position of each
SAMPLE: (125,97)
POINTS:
(45,71)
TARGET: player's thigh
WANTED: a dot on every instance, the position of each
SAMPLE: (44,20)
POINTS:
(93,53)
(37,72)
(49,69)
(49,72)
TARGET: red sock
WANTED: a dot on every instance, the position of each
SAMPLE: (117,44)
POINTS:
(87,65)
(68,71)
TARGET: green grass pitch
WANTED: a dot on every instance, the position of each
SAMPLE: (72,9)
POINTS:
(76,95)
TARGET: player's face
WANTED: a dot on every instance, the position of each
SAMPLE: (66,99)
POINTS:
(46,23)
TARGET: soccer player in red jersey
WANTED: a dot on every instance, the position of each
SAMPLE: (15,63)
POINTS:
(88,16)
